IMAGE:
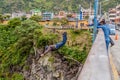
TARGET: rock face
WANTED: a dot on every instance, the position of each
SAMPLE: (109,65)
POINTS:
(52,67)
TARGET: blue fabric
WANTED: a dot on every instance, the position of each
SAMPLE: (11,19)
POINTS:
(106,30)
(107,43)
(60,44)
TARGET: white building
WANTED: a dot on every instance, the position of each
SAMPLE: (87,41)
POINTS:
(35,12)
(17,14)
(117,20)
(112,14)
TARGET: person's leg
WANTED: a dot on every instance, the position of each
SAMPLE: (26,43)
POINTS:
(58,45)
(107,44)
(48,49)
(112,42)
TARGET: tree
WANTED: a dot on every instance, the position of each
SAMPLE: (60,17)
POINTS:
(23,18)
(1,18)
(69,16)
(16,44)
(36,18)
(87,17)
(7,17)
(14,22)
(64,21)
(55,21)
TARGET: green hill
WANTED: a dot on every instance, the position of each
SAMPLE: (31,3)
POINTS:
(21,42)
(50,5)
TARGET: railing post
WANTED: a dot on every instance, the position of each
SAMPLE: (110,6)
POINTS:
(95,19)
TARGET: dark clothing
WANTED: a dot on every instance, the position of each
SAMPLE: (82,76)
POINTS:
(111,42)
(56,46)
(60,44)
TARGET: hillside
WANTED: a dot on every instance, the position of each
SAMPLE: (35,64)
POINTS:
(21,43)
(7,6)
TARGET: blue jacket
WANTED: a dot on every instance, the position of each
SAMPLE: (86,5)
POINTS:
(106,30)
(93,24)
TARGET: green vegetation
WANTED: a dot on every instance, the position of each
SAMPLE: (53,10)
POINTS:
(74,53)
(80,46)
(36,18)
(8,6)
(17,76)
(16,44)
(1,18)
(4,17)
(19,37)
(64,21)
(14,22)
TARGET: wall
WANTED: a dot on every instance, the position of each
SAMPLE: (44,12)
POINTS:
(97,66)
(82,24)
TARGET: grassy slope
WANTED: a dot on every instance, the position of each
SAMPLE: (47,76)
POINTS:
(16,44)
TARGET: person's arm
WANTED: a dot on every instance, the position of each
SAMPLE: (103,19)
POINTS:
(109,30)
(90,25)
(99,26)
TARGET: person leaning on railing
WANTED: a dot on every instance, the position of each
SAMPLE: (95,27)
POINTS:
(106,29)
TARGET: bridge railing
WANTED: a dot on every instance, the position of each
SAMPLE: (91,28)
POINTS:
(97,65)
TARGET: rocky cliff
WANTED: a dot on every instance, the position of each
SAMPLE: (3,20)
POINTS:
(52,66)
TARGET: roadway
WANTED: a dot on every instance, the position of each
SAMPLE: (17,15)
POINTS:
(115,52)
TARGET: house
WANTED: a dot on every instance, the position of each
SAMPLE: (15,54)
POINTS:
(17,14)
(47,16)
(28,15)
(79,24)
(117,20)
(61,14)
(35,12)
(85,13)
(112,14)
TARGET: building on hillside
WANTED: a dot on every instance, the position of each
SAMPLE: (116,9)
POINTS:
(47,16)
(112,14)
(80,24)
(28,15)
(117,20)
(18,14)
(61,14)
(35,12)
(85,13)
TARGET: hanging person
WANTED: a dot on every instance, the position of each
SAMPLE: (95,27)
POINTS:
(57,45)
